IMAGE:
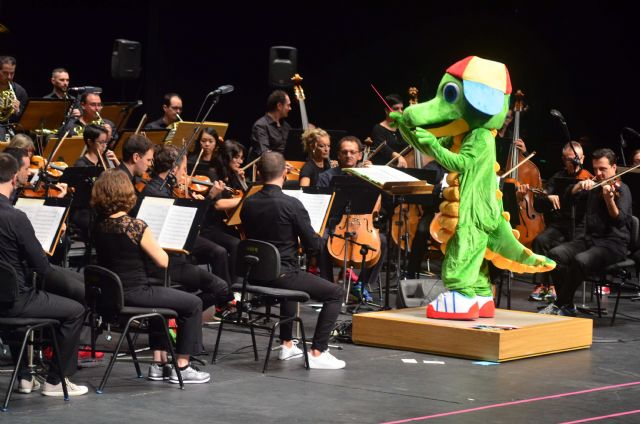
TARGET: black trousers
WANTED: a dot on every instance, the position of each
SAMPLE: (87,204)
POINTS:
(419,245)
(66,283)
(188,307)
(212,289)
(575,261)
(544,242)
(208,252)
(319,289)
(228,241)
(71,315)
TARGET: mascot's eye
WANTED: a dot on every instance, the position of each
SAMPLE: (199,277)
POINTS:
(450,92)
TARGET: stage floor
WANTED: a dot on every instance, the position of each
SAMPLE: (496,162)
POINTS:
(378,385)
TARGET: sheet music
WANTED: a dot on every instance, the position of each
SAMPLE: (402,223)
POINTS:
(177,227)
(382,174)
(153,211)
(44,219)
(315,204)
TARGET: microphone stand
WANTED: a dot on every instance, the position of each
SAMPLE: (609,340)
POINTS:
(623,144)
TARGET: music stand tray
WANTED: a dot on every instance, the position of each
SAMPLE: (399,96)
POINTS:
(184,130)
(69,152)
(44,113)
(119,112)
(156,136)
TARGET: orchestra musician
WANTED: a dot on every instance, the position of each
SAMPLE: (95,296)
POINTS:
(228,170)
(90,107)
(124,245)
(19,246)
(207,143)
(171,109)
(96,139)
(504,138)
(289,221)
(384,132)
(558,210)
(316,143)
(213,289)
(270,132)
(349,154)
(13,97)
(137,157)
(606,233)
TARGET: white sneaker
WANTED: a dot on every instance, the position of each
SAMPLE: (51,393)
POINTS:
(325,361)
(292,352)
(27,386)
(56,389)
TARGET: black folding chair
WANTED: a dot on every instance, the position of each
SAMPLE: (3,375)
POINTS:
(12,326)
(105,298)
(259,262)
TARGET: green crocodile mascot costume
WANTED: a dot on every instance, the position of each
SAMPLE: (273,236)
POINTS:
(458,129)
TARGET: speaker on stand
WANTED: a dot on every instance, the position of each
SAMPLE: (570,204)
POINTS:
(126,61)
(283,64)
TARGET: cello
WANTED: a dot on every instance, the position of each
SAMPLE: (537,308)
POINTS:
(531,222)
(358,229)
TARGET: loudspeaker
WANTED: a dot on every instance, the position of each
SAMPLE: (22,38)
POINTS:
(283,64)
(414,293)
(125,59)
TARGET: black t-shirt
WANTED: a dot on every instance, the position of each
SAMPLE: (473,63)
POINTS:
(312,171)
(395,143)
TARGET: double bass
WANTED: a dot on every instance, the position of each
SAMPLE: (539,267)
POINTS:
(531,222)
(357,228)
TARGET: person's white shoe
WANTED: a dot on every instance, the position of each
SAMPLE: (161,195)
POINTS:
(56,389)
(292,352)
(325,361)
(27,386)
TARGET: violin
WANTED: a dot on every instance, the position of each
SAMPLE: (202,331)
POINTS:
(39,191)
(140,185)
(524,172)
(54,169)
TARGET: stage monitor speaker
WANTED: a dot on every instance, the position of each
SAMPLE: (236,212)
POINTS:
(125,59)
(283,64)
(414,293)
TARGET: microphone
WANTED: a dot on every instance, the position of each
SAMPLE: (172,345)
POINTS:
(556,114)
(632,132)
(223,89)
(88,88)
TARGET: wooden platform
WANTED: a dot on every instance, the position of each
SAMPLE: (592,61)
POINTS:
(410,329)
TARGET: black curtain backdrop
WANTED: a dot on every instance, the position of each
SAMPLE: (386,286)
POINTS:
(578,60)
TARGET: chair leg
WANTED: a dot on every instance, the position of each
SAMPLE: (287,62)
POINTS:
(598,298)
(215,349)
(271,336)
(615,308)
(14,375)
(174,360)
(56,353)
(253,337)
(112,362)
(304,343)
(134,356)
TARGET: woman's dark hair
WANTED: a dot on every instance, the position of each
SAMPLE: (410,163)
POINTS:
(213,133)
(229,150)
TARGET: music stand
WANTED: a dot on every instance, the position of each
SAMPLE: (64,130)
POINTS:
(69,152)
(184,130)
(44,113)
(119,112)
(352,196)
(155,136)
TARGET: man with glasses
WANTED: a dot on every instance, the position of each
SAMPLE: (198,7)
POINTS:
(90,107)
(558,207)
(172,108)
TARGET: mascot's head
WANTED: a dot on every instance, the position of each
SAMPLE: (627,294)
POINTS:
(474,93)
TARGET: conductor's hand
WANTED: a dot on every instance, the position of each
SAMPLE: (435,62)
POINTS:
(555,201)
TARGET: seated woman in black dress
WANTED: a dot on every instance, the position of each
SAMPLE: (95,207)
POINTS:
(317,144)
(123,244)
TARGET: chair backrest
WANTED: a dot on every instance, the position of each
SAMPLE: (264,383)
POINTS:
(103,291)
(8,284)
(262,257)
(634,241)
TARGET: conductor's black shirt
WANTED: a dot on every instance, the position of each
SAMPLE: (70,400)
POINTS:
(272,216)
